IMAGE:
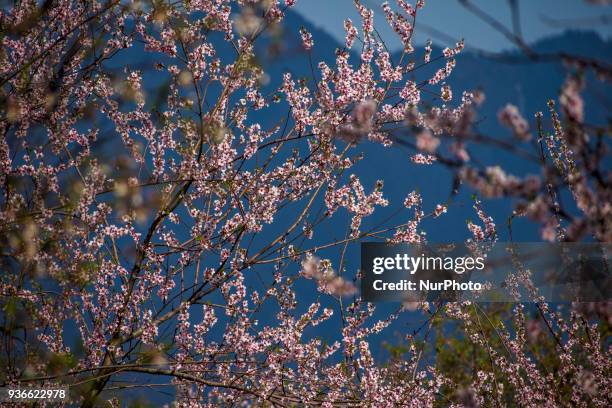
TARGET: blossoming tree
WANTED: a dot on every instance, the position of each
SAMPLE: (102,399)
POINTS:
(134,224)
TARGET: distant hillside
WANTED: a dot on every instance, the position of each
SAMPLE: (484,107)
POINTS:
(509,78)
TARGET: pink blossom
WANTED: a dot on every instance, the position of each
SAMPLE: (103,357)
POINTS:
(307,42)
(510,117)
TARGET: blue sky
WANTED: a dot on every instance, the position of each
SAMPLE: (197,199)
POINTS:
(449,17)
